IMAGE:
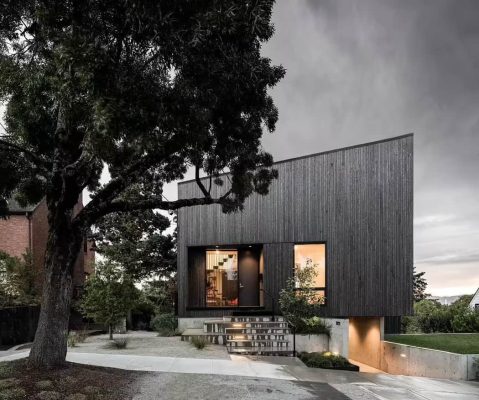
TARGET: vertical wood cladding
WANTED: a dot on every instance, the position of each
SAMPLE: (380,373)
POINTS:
(359,200)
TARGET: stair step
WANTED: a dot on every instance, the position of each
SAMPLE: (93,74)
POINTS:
(260,331)
(257,343)
(265,351)
(254,336)
(254,319)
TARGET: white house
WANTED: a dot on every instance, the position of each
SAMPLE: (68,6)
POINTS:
(474,304)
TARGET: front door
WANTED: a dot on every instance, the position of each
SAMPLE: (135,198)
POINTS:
(248,263)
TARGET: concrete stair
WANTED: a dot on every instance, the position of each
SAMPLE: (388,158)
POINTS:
(257,336)
(253,335)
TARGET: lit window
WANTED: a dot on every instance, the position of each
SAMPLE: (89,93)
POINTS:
(221,278)
(312,256)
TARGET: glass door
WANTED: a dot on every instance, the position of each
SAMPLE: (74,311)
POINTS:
(222,278)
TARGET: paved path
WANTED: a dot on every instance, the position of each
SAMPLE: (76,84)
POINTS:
(268,378)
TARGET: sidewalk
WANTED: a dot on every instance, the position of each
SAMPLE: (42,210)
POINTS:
(355,385)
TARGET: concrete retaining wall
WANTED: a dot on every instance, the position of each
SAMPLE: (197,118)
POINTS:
(310,343)
(402,359)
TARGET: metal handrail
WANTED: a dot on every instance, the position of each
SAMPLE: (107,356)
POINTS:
(272,299)
(294,328)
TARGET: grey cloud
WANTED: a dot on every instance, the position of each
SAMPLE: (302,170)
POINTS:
(358,71)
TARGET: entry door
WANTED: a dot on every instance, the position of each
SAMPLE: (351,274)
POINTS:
(248,267)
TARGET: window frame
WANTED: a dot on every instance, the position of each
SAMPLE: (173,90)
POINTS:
(325,288)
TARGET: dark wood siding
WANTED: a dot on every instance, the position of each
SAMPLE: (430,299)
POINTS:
(358,200)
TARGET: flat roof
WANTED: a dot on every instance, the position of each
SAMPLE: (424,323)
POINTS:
(323,152)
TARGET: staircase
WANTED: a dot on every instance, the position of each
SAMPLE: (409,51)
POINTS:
(252,335)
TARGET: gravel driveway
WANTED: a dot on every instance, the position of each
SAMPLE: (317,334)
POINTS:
(143,343)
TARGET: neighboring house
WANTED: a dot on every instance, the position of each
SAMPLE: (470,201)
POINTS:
(474,304)
(349,212)
(26,230)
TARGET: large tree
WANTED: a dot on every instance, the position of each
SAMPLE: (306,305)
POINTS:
(419,285)
(137,241)
(146,88)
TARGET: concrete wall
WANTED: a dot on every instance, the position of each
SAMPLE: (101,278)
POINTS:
(193,323)
(310,343)
(339,338)
(401,359)
(365,335)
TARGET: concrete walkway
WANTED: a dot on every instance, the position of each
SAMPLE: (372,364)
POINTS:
(239,366)
(244,371)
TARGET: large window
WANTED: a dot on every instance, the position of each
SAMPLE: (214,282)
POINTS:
(221,278)
(314,256)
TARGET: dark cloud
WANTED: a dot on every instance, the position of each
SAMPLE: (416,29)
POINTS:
(359,71)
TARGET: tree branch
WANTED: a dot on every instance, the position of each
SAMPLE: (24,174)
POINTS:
(44,165)
(88,217)
(199,183)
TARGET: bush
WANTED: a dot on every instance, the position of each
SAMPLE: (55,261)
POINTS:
(466,321)
(118,344)
(327,360)
(312,326)
(164,323)
(301,307)
(199,342)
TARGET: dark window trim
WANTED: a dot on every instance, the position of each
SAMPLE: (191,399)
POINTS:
(192,308)
(235,247)
(325,288)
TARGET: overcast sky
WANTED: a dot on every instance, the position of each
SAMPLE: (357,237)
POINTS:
(365,70)
(359,71)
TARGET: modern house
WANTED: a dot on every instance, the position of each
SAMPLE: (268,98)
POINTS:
(26,231)
(349,212)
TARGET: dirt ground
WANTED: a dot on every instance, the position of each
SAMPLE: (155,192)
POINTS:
(74,382)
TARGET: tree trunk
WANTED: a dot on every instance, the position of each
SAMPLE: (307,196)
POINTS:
(110,330)
(64,243)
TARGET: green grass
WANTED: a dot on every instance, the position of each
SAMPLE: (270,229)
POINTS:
(455,343)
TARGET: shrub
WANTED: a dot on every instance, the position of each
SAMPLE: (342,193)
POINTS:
(119,344)
(164,323)
(168,333)
(300,307)
(312,326)
(326,359)
(200,342)
(465,321)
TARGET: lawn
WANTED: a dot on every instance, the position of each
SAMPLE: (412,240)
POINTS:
(75,382)
(455,343)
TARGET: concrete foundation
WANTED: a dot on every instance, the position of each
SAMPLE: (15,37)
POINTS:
(310,343)
(193,323)
(417,361)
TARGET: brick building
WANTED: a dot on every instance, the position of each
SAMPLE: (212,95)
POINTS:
(26,230)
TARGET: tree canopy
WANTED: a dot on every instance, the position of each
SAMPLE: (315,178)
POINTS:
(146,88)
(138,242)
(419,286)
